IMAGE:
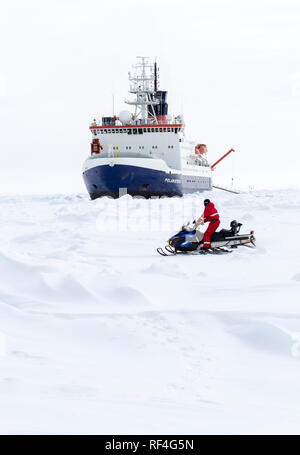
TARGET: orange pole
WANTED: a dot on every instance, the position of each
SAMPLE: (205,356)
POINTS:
(222,158)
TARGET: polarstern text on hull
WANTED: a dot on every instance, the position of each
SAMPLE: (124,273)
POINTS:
(144,152)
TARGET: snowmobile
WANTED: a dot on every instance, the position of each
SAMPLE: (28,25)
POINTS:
(190,240)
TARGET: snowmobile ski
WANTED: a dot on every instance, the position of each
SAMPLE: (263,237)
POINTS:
(166,252)
(170,249)
(161,252)
(212,251)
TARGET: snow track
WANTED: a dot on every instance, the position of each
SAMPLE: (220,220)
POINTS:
(99,334)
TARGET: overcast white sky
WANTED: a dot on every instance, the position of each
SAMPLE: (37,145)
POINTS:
(231,67)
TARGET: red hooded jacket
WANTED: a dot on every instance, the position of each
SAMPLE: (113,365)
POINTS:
(210,213)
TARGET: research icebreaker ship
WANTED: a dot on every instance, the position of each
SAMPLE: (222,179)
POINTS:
(145,152)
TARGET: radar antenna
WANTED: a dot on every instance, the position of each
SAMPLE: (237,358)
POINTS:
(143,84)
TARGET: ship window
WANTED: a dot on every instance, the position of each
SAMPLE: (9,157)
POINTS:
(105,131)
(112,131)
(129,131)
(152,130)
(145,129)
(160,130)
(134,131)
(176,129)
(140,130)
(168,130)
(117,130)
(165,130)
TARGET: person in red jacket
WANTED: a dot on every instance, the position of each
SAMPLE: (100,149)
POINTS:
(211,216)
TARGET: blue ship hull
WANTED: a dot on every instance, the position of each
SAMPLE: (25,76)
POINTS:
(117,180)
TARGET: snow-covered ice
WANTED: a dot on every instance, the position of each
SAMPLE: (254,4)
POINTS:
(99,334)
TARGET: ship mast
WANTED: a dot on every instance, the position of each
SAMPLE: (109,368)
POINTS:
(144,86)
(155,76)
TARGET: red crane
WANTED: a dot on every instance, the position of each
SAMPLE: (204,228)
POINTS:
(220,159)
(214,165)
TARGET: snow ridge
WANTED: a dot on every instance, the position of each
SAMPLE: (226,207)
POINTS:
(98,333)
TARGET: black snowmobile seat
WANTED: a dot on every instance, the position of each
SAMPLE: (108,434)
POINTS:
(221,235)
(227,232)
(224,233)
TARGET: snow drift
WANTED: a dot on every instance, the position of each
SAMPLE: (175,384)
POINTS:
(102,335)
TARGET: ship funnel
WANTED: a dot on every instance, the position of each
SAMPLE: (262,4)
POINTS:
(160,109)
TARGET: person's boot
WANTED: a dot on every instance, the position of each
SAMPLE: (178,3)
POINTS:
(205,250)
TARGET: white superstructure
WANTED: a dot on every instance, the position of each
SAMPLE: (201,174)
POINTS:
(149,137)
